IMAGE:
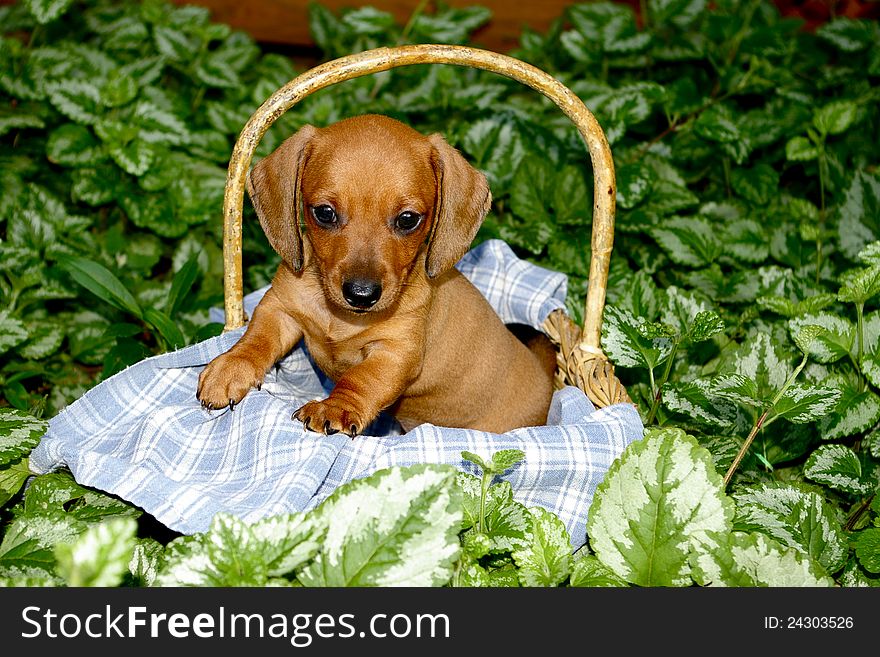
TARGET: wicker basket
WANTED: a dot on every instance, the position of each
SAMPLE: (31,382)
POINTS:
(581,362)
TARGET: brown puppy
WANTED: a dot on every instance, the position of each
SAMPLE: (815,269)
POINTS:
(370,285)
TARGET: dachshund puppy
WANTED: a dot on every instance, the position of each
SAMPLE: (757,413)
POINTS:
(370,217)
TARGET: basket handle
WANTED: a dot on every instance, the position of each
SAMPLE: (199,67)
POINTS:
(383,59)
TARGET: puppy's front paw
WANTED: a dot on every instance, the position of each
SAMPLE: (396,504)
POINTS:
(226,380)
(331,416)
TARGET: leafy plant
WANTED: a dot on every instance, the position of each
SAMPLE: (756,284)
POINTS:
(743,304)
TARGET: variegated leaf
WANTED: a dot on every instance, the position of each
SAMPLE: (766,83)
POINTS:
(19,434)
(838,467)
(802,403)
(625,345)
(658,502)
(99,557)
(857,410)
(546,560)
(796,518)
(697,399)
(754,559)
(397,527)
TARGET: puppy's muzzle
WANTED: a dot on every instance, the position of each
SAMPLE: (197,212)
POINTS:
(361,293)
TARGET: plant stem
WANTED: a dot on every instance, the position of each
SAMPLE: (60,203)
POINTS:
(854,518)
(822,165)
(658,394)
(745,448)
(761,423)
(487,480)
(860,337)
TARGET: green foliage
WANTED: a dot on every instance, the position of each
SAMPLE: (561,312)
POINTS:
(744,296)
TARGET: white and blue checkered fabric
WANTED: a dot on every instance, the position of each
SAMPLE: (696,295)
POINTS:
(142,435)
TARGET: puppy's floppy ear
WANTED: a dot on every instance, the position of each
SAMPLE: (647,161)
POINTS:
(463,200)
(274,188)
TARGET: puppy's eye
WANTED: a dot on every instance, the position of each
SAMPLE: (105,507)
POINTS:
(324,215)
(407,221)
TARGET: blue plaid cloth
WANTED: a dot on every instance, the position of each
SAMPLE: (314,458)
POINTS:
(143,436)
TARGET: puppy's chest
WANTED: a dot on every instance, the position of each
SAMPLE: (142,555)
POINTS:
(336,349)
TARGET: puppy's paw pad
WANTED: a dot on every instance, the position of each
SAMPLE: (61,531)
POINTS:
(226,380)
(330,417)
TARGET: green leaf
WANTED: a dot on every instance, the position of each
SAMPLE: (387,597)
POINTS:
(59,492)
(860,214)
(497,149)
(747,241)
(214,70)
(667,197)
(661,500)
(46,11)
(44,340)
(228,554)
(157,125)
(800,149)
(759,184)
(569,197)
(857,411)
(74,145)
(706,323)
(95,186)
(28,542)
(286,542)
(135,157)
(717,124)
(590,572)
(119,89)
(870,255)
(698,400)
(633,185)
(834,341)
(166,327)
(835,117)
(477,460)
(625,346)
(752,560)
(531,187)
(860,285)
(144,562)
(396,527)
(101,282)
(546,561)
(19,434)
(868,549)
(849,34)
(174,44)
(182,284)
(838,467)
(77,100)
(688,241)
(508,523)
(806,336)
(801,403)
(18,119)
(763,362)
(689,315)
(12,331)
(100,556)
(796,518)
(154,212)
(504,459)
(12,478)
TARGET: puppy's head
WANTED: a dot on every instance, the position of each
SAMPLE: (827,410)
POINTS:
(373,196)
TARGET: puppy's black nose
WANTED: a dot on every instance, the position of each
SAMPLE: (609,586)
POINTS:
(362,292)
